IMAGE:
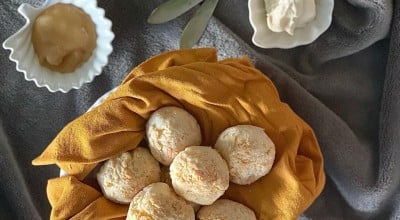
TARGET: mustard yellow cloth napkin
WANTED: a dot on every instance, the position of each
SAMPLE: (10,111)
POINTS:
(219,94)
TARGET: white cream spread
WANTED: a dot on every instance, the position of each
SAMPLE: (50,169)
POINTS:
(287,15)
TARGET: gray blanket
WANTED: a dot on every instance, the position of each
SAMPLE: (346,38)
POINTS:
(346,85)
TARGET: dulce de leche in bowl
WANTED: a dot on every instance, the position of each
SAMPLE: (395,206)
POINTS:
(63,37)
(63,44)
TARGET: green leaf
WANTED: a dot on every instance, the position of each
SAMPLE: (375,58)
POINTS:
(196,26)
(170,10)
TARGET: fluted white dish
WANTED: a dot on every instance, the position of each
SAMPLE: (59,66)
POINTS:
(265,38)
(27,62)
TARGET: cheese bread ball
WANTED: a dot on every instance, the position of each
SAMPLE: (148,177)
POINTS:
(120,178)
(249,152)
(224,209)
(159,202)
(170,130)
(199,174)
(166,178)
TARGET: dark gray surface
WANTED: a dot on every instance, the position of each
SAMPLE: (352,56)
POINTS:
(346,85)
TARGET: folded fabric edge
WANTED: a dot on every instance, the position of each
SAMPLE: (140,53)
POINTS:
(173,58)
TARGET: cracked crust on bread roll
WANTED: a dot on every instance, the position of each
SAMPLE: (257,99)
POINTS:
(169,131)
(224,209)
(120,178)
(199,174)
(159,202)
(249,152)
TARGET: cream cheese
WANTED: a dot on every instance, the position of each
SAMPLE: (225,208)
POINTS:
(287,15)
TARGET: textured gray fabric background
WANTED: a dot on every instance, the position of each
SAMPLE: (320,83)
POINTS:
(346,85)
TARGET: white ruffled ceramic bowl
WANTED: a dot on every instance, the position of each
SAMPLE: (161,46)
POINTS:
(27,62)
(265,38)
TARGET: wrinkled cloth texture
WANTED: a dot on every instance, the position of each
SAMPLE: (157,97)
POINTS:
(219,95)
(345,85)
(73,199)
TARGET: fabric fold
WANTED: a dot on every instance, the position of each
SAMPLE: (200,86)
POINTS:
(72,199)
